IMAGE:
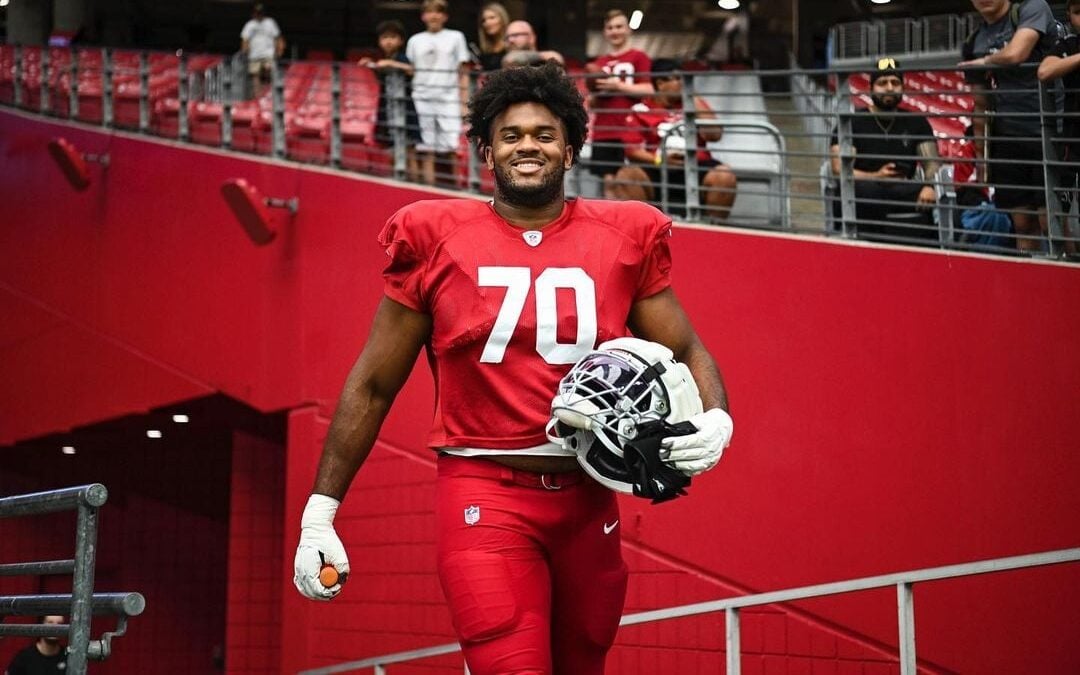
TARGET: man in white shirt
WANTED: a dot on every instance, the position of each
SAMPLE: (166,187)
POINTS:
(440,88)
(261,41)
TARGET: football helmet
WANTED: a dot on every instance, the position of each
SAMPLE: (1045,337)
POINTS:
(613,408)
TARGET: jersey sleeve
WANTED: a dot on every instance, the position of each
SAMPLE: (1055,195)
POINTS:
(642,68)
(462,49)
(247,30)
(656,267)
(1037,16)
(403,275)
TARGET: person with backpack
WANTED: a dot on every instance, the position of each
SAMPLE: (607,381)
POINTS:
(1013,35)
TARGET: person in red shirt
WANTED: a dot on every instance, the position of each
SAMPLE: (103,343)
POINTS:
(654,140)
(505,296)
(624,82)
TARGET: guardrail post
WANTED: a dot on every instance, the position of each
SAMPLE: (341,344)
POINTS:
(83,578)
(144,92)
(734,659)
(226,104)
(182,131)
(45,70)
(847,169)
(73,85)
(277,117)
(690,174)
(471,157)
(905,603)
(396,119)
(1055,229)
(106,87)
(335,115)
(18,75)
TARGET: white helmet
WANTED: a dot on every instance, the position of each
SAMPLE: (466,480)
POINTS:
(615,405)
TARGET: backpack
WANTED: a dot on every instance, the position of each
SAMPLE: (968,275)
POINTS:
(1042,47)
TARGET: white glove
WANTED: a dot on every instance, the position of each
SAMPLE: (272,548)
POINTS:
(699,451)
(319,545)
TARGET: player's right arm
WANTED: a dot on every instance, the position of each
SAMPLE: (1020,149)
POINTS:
(397,335)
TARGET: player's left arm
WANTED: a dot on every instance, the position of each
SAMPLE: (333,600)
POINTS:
(660,318)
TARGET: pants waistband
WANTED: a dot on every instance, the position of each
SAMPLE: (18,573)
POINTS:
(486,468)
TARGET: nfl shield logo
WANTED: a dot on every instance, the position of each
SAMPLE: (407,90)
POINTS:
(472,514)
(533,237)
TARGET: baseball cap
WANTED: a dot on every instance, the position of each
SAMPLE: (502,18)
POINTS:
(886,65)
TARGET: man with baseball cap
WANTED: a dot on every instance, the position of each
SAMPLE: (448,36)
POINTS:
(888,145)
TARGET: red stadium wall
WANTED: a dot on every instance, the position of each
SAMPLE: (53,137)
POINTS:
(894,408)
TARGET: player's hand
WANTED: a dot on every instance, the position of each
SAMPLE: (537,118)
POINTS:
(319,545)
(699,451)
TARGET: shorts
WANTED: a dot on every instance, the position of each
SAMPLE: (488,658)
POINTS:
(440,122)
(260,68)
(531,566)
(1016,172)
(607,156)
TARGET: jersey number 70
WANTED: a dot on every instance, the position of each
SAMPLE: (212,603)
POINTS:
(518,281)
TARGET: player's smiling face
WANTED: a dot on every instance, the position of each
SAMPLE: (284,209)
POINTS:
(528,154)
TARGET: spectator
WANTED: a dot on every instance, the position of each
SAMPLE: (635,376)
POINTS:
(391,36)
(1011,34)
(655,136)
(45,657)
(888,146)
(491,31)
(440,89)
(626,81)
(1063,62)
(261,42)
(521,49)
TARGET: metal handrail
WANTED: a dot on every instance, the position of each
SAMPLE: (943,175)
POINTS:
(903,581)
(82,603)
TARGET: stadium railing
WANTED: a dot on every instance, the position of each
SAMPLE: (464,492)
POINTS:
(82,603)
(777,141)
(903,582)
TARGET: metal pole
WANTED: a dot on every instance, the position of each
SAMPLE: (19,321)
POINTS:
(18,75)
(82,588)
(226,105)
(182,95)
(690,166)
(67,499)
(45,70)
(73,85)
(734,662)
(905,603)
(396,93)
(473,160)
(847,169)
(106,87)
(144,92)
(277,118)
(1047,127)
(335,115)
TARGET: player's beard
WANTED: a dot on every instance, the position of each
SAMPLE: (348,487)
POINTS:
(529,196)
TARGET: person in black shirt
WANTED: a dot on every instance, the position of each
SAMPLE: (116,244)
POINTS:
(888,147)
(1012,35)
(45,657)
(1063,62)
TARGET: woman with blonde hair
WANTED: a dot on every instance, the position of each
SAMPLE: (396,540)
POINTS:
(491,31)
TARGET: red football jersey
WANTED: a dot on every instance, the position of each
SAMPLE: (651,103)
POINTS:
(633,66)
(513,309)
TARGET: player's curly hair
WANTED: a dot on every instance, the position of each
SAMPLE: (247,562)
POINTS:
(547,85)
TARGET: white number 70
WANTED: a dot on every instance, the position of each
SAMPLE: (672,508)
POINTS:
(517,281)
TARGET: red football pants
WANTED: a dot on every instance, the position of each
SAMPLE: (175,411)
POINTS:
(533,575)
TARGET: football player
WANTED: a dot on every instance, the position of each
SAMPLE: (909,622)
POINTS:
(506,296)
